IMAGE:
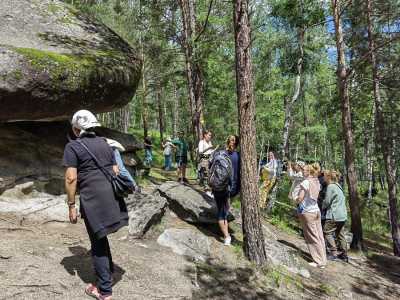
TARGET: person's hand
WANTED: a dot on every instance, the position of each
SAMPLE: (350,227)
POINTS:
(73,215)
(116,169)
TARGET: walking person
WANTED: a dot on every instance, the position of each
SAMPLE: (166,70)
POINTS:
(117,149)
(335,217)
(148,151)
(229,166)
(101,211)
(168,146)
(181,156)
(310,215)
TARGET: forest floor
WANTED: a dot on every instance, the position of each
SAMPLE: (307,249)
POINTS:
(52,261)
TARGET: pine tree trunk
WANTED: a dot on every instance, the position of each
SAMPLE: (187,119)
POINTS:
(342,74)
(385,138)
(253,241)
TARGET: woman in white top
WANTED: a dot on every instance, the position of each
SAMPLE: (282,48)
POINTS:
(295,173)
(310,215)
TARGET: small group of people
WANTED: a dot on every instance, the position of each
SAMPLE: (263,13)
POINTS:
(322,221)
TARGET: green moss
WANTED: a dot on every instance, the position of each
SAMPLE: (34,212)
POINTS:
(66,71)
(53,8)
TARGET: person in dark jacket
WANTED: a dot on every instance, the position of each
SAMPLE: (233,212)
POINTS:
(101,211)
(222,197)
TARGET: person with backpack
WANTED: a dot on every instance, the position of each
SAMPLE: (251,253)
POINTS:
(335,217)
(103,213)
(181,156)
(224,181)
(205,149)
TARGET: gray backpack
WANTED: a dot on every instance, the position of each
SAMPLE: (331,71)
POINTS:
(220,172)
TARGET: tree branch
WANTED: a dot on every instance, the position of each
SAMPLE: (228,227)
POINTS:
(206,22)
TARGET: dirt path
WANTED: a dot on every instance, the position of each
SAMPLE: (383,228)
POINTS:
(52,262)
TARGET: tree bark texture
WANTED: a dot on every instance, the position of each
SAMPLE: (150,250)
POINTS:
(193,68)
(253,242)
(385,137)
(175,112)
(289,104)
(351,174)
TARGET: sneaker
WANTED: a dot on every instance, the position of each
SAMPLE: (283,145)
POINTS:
(209,194)
(315,265)
(185,180)
(343,257)
(333,258)
(227,241)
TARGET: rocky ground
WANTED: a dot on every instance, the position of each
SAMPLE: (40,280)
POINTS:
(44,257)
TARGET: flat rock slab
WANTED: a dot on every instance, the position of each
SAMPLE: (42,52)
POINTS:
(186,242)
(144,211)
(55,60)
(39,207)
(189,204)
(280,254)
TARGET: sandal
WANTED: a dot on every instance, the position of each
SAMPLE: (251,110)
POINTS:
(92,291)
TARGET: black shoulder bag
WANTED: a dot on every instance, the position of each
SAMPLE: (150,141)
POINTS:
(121,185)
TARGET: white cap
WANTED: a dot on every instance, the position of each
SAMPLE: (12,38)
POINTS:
(84,119)
(115,144)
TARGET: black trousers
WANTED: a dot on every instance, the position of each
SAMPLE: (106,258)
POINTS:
(102,261)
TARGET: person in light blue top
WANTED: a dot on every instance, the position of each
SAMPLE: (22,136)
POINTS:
(117,148)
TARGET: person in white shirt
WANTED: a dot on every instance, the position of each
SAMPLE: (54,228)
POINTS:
(205,150)
(310,215)
(295,173)
(167,146)
(268,177)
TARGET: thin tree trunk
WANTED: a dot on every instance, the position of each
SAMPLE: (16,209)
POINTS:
(193,68)
(175,112)
(253,241)
(342,74)
(385,139)
(289,104)
(160,111)
(305,120)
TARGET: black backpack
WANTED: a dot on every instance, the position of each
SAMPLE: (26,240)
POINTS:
(220,172)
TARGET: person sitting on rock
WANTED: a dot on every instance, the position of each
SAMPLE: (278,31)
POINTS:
(101,211)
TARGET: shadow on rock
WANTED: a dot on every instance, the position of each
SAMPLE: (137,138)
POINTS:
(80,263)
(214,281)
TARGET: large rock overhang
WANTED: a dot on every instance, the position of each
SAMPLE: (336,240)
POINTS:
(54,61)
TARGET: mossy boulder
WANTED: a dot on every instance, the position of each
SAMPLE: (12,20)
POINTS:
(55,60)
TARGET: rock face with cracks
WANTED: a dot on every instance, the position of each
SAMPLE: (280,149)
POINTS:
(55,60)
